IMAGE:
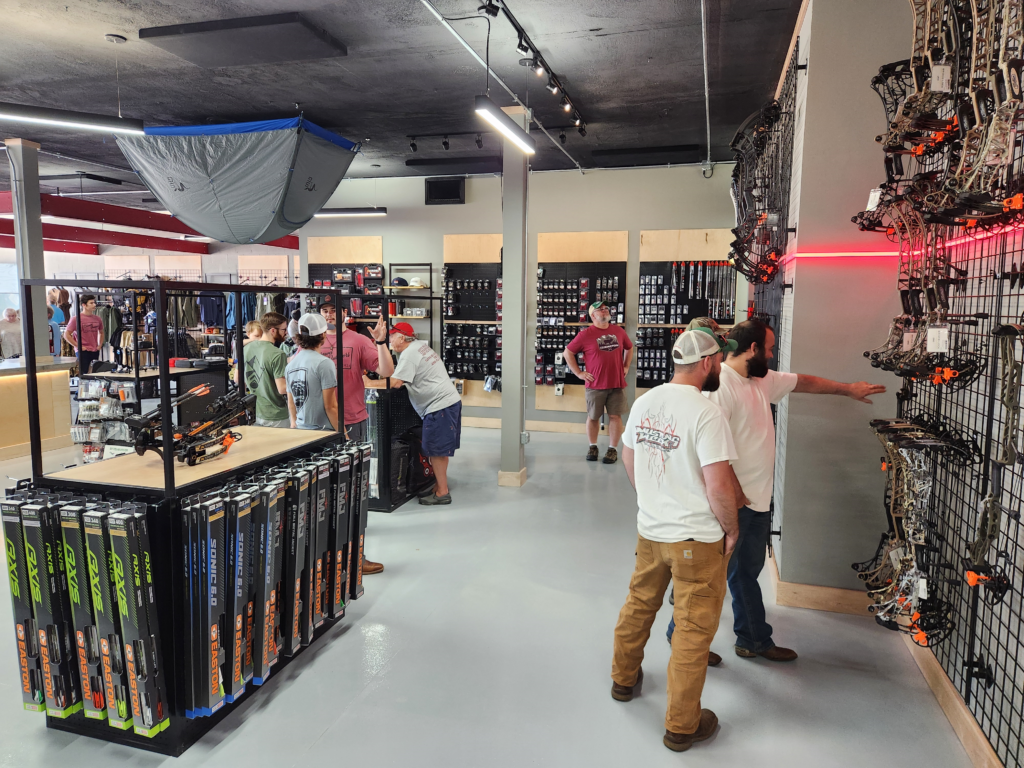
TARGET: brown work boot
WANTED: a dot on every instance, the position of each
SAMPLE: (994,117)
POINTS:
(592,453)
(714,659)
(627,692)
(371,567)
(680,742)
(775,653)
(610,456)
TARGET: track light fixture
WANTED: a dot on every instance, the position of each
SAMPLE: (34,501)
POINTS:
(538,68)
(566,106)
(488,8)
(479,141)
(552,86)
(522,47)
(583,130)
(412,144)
(561,137)
(576,119)
(445,144)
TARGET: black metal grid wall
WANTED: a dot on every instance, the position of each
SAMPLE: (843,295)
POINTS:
(983,655)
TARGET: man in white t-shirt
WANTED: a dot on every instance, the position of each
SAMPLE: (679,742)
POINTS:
(747,392)
(677,450)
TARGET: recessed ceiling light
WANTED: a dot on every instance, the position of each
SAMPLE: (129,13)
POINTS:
(116,39)
(339,213)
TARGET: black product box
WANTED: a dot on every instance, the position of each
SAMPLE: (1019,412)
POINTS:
(320,513)
(266,519)
(339,534)
(48,587)
(189,658)
(296,507)
(360,509)
(76,563)
(30,676)
(106,613)
(211,603)
(238,509)
(134,587)
(309,558)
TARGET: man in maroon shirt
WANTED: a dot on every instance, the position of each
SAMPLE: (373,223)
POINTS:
(87,339)
(607,355)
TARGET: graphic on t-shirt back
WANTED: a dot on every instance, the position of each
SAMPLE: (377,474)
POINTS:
(608,343)
(254,374)
(297,384)
(657,434)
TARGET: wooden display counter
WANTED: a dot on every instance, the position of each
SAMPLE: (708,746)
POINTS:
(147,472)
(54,405)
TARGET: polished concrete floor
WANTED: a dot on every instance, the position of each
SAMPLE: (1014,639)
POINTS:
(487,640)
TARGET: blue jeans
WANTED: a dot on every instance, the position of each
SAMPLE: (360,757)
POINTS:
(746,563)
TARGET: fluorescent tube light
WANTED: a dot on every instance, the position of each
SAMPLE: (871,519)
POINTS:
(337,213)
(62,118)
(490,112)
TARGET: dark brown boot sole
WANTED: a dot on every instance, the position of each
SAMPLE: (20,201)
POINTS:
(622,693)
(682,746)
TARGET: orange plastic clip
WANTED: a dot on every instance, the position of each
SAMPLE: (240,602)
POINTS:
(921,638)
(228,441)
(974,579)
(885,466)
(1015,203)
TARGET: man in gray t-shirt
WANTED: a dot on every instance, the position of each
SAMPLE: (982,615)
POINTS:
(421,371)
(312,379)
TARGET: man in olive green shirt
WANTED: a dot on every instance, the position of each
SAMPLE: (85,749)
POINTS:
(264,372)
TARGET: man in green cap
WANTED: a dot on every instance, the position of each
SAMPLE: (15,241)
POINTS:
(607,355)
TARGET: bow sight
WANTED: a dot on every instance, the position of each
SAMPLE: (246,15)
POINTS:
(207,440)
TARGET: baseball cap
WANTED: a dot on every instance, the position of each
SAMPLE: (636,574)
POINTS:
(400,281)
(597,305)
(694,345)
(313,325)
(702,322)
(403,328)
(417,282)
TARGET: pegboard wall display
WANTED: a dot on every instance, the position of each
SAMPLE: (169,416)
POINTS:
(565,291)
(549,367)
(472,292)
(358,284)
(949,568)
(675,292)
(654,364)
(472,350)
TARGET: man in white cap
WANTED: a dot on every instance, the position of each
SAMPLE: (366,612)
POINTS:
(677,449)
(312,379)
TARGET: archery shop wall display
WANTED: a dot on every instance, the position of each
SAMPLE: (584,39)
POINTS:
(947,568)
(473,311)
(673,293)
(357,284)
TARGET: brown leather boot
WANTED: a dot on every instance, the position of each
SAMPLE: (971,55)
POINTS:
(775,653)
(627,692)
(714,659)
(371,567)
(680,742)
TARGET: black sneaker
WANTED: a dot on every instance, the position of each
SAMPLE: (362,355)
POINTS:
(433,500)
(592,453)
(610,456)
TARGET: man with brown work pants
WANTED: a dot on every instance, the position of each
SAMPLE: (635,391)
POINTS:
(677,449)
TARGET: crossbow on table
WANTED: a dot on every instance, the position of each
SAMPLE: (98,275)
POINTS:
(210,439)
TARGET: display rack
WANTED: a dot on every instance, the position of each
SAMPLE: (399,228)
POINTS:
(162,486)
(391,417)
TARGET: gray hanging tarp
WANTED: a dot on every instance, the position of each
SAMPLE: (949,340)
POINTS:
(241,182)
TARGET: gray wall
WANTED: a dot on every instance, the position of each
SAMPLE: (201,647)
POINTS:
(633,200)
(832,512)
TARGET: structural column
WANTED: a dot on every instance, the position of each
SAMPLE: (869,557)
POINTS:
(28,233)
(513,356)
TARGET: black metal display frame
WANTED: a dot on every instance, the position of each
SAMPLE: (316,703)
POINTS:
(168,568)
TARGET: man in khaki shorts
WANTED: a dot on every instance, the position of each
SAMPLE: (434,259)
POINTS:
(607,355)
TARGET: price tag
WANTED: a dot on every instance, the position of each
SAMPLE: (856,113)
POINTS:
(938,338)
(922,588)
(909,338)
(874,198)
(942,78)
(895,555)
(110,451)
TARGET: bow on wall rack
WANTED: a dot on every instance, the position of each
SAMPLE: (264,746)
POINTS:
(949,569)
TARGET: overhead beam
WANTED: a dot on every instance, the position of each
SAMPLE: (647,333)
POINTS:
(57,246)
(87,210)
(108,237)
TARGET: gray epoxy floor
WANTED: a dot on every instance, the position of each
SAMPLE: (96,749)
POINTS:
(486,642)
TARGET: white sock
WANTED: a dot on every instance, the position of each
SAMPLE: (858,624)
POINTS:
(593,445)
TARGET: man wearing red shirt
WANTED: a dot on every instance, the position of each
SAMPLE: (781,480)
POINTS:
(89,339)
(360,355)
(607,355)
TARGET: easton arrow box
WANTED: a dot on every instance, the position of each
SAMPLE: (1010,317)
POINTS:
(87,639)
(26,639)
(296,497)
(339,534)
(266,514)
(210,695)
(238,508)
(107,615)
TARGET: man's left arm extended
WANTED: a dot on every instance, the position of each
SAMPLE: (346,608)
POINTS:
(815,385)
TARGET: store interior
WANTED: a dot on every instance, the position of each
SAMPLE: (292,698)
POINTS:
(848,174)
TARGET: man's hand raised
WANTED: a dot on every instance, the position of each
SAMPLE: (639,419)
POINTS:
(861,390)
(380,330)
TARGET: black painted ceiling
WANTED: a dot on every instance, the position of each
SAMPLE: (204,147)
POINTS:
(633,67)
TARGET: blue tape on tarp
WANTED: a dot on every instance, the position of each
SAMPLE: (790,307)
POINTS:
(257,126)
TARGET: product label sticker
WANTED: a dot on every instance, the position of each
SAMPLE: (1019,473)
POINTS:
(688,554)
(895,556)
(938,338)
(874,198)
(942,78)
(909,338)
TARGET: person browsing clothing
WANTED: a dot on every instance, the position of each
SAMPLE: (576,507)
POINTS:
(433,396)
(265,364)
(312,379)
(607,355)
(85,333)
(677,450)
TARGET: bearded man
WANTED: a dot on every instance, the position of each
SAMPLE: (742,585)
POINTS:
(746,394)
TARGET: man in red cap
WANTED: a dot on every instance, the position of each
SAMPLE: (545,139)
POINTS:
(434,397)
